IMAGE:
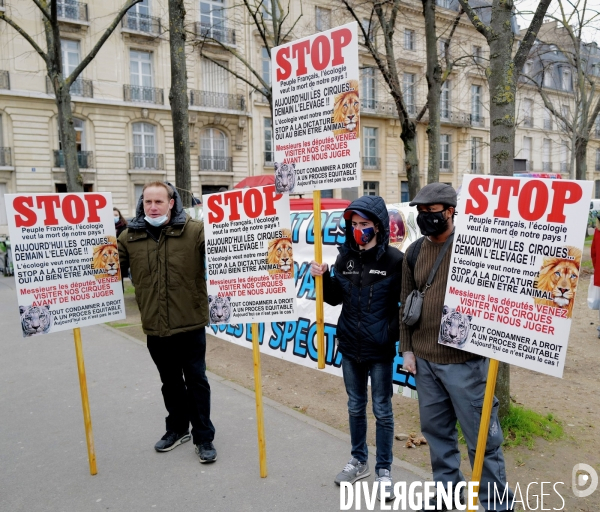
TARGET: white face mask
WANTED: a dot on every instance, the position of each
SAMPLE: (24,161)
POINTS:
(156,221)
(116,219)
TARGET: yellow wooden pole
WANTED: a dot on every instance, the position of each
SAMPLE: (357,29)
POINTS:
(260,424)
(319,280)
(484,427)
(87,419)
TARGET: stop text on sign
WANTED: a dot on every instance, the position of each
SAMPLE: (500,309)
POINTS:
(533,197)
(254,202)
(75,209)
(324,51)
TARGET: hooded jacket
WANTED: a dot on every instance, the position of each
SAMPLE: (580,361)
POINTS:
(170,285)
(367,284)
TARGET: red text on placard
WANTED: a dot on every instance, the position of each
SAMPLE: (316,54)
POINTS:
(254,202)
(75,209)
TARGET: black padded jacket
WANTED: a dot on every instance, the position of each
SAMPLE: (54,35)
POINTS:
(367,284)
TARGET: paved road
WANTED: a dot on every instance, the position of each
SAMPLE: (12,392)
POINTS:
(43,454)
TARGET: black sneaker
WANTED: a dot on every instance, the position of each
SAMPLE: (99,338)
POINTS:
(206,452)
(171,440)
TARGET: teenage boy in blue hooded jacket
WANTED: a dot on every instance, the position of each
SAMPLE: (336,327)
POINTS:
(366,280)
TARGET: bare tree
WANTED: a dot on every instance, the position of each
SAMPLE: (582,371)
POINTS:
(61,84)
(580,76)
(272,21)
(178,98)
(503,76)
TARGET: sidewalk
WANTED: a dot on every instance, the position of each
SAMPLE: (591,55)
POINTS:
(43,450)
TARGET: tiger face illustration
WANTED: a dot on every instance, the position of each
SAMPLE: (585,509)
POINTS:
(455,327)
(35,320)
(106,258)
(219,309)
(280,252)
(285,177)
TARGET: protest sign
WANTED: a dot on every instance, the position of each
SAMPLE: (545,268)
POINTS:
(514,269)
(316,109)
(66,260)
(249,256)
(295,340)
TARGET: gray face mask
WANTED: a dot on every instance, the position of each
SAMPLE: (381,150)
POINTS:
(156,221)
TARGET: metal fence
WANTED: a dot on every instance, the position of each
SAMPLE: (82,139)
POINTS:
(218,33)
(216,163)
(80,87)
(142,23)
(70,10)
(146,161)
(140,94)
(217,100)
(85,159)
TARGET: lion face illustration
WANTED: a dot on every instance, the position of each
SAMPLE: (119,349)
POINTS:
(346,110)
(558,277)
(280,253)
(106,257)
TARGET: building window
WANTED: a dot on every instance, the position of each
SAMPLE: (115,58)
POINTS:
(443,52)
(369,29)
(138,17)
(266,10)
(212,15)
(265,66)
(445,162)
(214,77)
(597,194)
(268,134)
(528,113)
(564,157)
(445,100)
(70,56)
(142,81)
(598,160)
(409,39)
(370,160)
(527,67)
(408,86)
(144,147)
(476,117)
(566,79)
(478,54)
(546,155)
(566,113)
(3,218)
(527,143)
(476,163)
(547,119)
(443,3)
(548,78)
(370,188)
(404,193)
(368,88)
(213,150)
(322,19)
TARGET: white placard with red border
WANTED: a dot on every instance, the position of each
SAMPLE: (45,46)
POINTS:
(249,256)
(316,111)
(515,268)
(66,260)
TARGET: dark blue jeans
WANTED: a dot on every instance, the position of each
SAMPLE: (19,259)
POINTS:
(356,376)
(186,392)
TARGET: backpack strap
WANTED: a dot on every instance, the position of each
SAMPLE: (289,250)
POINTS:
(413,253)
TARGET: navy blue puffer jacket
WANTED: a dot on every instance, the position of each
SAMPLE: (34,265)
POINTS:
(367,284)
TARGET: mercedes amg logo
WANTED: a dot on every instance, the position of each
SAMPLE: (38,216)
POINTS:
(350,266)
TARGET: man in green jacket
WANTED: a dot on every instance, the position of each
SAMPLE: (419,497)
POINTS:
(164,248)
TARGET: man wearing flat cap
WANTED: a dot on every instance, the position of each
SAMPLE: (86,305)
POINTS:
(450,382)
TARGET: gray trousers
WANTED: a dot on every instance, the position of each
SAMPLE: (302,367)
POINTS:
(450,392)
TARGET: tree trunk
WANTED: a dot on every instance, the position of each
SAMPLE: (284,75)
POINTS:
(411,157)
(580,158)
(178,99)
(503,389)
(434,75)
(67,136)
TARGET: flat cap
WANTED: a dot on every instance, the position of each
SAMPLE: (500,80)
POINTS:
(435,193)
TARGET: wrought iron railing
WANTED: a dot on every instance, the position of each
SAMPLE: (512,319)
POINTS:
(269,158)
(71,10)
(547,124)
(4,78)
(217,100)
(140,94)
(85,159)
(477,167)
(546,166)
(142,23)
(80,87)
(371,162)
(5,157)
(146,161)
(446,166)
(382,108)
(565,167)
(528,121)
(477,120)
(218,33)
(216,163)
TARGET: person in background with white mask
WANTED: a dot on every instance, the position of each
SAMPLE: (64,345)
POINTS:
(165,250)
(120,222)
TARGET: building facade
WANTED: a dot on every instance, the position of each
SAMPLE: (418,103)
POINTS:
(122,116)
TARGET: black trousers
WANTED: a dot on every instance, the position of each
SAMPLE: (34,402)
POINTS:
(180,360)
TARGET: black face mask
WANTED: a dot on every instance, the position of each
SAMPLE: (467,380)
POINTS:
(432,223)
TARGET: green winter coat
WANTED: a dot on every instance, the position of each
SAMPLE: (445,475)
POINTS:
(169,279)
